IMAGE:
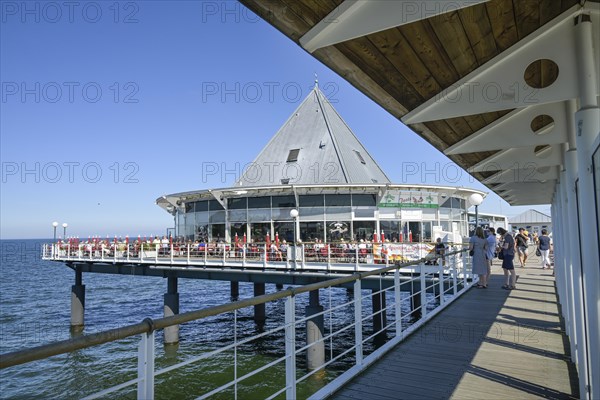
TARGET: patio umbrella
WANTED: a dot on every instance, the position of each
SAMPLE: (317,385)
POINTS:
(375,237)
(236,239)
(277,239)
(410,236)
(382,237)
(244,237)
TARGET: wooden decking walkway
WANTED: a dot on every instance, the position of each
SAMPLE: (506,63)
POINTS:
(490,344)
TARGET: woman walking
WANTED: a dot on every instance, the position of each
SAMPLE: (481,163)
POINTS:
(478,248)
(544,243)
(508,252)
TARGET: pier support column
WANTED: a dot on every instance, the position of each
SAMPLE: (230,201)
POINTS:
(235,289)
(77,302)
(259,309)
(315,354)
(279,286)
(379,320)
(171,308)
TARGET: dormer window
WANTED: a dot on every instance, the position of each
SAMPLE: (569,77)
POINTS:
(293,155)
(360,157)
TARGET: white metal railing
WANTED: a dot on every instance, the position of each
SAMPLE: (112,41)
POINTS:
(447,280)
(306,256)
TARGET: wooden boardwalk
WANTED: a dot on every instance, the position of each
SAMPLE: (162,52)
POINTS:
(490,344)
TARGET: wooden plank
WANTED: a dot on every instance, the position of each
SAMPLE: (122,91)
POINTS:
(527,16)
(502,21)
(395,47)
(479,32)
(424,42)
(450,33)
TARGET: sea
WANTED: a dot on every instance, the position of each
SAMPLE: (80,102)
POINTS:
(35,298)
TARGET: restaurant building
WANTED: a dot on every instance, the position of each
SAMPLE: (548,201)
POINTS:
(316,166)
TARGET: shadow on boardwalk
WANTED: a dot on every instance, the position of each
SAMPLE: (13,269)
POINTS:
(491,343)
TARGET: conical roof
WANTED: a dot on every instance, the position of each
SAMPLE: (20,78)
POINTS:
(314,146)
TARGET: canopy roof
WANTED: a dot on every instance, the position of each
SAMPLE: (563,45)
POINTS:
(492,84)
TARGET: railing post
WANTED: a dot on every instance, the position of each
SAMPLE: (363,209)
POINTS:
(115,253)
(358,322)
(328,257)
(423,282)
(244,255)
(265,256)
(79,252)
(171,253)
(454,280)
(441,280)
(205,254)
(145,388)
(464,270)
(356,259)
(68,251)
(290,348)
(188,253)
(156,253)
(398,304)
(141,252)
(303,265)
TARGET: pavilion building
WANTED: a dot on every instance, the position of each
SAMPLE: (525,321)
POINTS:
(316,165)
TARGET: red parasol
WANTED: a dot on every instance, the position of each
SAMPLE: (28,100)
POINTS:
(277,239)
(236,239)
(244,237)
(375,237)
(410,236)
(382,237)
(268,245)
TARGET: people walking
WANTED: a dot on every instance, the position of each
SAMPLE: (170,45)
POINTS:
(492,243)
(478,249)
(544,244)
(522,244)
(508,254)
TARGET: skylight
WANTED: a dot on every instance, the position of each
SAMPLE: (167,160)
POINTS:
(360,157)
(293,155)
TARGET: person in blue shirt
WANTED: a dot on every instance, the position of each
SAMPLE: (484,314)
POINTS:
(491,249)
(508,251)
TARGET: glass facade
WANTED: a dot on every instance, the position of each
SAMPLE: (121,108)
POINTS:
(322,217)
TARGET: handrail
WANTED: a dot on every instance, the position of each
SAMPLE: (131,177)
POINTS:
(149,325)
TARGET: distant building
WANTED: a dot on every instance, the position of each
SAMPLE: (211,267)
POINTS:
(532,220)
(488,220)
(316,165)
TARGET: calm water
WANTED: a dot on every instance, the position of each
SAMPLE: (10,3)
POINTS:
(35,310)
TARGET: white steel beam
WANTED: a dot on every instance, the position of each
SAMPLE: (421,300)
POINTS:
(514,130)
(521,157)
(356,18)
(529,172)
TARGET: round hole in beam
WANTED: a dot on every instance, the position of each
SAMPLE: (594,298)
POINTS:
(543,170)
(540,124)
(543,151)
(541,73)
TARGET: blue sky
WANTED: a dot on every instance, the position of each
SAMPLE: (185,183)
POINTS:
(106,106)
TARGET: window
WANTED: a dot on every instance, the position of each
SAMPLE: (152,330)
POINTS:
(337,200)
(293,155)
(365,200)
(283,201)
(201,206)
(311,200)
(360,157)
(259,202)
(236,204)
(214,205)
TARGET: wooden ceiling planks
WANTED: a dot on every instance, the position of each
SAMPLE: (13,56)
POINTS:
(479,32)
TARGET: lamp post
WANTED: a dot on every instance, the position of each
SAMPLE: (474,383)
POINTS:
(476,199)
(294,215)
(54,225)
(65,229)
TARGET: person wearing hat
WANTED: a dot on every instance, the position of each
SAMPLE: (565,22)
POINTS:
(522,244)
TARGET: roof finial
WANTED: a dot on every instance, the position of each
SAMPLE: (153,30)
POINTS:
(316,81)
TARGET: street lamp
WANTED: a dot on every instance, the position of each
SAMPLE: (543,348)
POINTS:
(55,224)
(294,215)
(476,199)
(65,229)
